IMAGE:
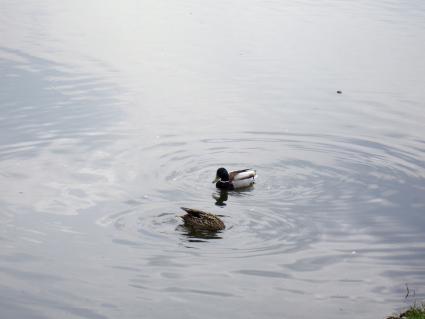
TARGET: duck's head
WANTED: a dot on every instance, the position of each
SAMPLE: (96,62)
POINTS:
(221,175)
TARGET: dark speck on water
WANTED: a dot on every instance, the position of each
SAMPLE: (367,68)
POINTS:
(110,124)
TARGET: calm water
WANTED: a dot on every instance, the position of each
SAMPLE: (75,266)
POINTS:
(113,115)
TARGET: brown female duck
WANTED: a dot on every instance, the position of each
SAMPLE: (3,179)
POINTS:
(198,219)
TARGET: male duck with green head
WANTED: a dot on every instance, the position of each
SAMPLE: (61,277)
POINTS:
(234,180)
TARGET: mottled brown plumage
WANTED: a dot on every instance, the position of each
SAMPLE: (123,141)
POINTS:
(202,220)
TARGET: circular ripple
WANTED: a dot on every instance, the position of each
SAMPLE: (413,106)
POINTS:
(304,182)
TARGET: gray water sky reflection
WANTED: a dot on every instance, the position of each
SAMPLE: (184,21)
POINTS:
(49,104)
(113,115)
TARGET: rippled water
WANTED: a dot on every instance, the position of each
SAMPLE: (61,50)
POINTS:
(115,115)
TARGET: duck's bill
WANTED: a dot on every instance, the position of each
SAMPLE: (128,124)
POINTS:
(216,179)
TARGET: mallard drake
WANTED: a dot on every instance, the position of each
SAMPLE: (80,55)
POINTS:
(198,219)
(235,179)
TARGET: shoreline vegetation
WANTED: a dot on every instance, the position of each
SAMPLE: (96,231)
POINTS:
(414,312)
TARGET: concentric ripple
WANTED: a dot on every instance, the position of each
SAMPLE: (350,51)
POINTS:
(304,180)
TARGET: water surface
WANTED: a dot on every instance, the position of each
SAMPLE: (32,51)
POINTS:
(115,115)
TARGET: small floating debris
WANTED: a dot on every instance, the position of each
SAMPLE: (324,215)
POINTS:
(339,92)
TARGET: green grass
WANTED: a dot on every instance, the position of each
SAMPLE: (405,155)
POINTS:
(415,312)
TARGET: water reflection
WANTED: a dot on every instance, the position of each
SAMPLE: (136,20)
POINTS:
(198,235)
(50,117)
(107,128)
(57,106)
(220,197)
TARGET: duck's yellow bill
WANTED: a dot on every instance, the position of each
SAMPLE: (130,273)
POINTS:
(216,179)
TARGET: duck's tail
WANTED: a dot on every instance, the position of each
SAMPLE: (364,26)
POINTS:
(191,211)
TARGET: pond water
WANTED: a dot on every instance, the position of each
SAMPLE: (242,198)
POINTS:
(115,114)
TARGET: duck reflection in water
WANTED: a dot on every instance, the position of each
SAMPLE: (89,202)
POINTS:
(198,235)
(220,197)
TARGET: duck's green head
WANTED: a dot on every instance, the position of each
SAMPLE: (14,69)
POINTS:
(221,175)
